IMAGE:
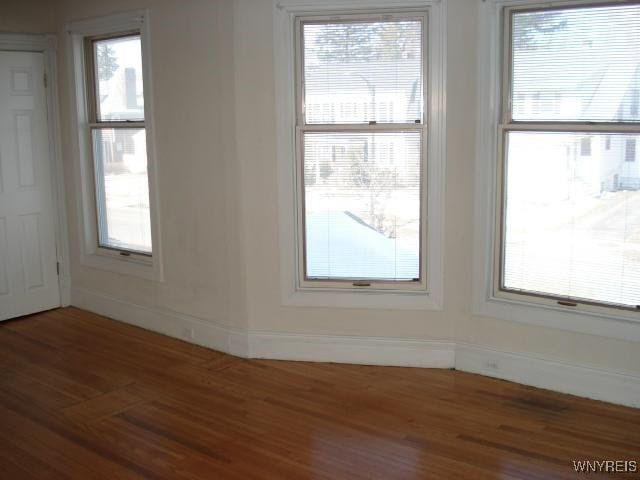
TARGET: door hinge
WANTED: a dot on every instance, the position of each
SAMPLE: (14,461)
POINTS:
(58,268)
(44,78)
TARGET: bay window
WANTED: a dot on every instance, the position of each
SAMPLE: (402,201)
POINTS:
(568,209)
(361,150)
(360,125)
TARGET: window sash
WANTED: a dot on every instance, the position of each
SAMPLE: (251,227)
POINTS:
(302,127)
(415,15)
(508,124)
(95,124)
(91,77)
(506,111)
(500,215)
(374,284)
(101,220)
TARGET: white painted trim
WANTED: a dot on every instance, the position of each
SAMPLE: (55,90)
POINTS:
(607,322)
(304,7)
(394,300)
(46,44)
(196,330)
(108,24)
(622,388)
(292,292)
(348,349)
(283,346)
(91,255)
(607,385)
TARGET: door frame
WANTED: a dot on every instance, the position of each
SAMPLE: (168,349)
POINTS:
(47,44)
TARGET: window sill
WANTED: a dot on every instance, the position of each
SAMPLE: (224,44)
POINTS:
(371,299)
(621,324)
(134,265)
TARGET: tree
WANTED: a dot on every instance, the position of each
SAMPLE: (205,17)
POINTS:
(378,181)
(361,42)
(106,61)
(531,30)
(349,42)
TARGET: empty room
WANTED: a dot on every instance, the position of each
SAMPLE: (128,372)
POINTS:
(319,239)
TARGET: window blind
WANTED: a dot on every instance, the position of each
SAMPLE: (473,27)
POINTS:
(576,64)
(572,222)
(118,135)
(571,185)
(362,205)
(359,72)
(361,137)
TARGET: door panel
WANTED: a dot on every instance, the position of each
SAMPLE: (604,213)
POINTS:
(28,273)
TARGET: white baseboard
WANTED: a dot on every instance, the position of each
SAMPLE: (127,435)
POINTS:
(346,349)
(173,324)
(280,346)
(610,386)
(606,385)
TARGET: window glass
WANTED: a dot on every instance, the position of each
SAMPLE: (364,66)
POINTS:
(122,188)
(359,72)
(362,205)
(118,79)
(576,64)
(361,171)
(572,222)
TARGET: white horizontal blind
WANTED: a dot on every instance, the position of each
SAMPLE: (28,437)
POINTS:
(122,188)
(573,221)
(118,136)
(357,72)
(578,64)
(571,225)
(361,136)
(362,205)
(119,86)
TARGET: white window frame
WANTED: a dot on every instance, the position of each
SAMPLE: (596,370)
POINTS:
(488,299)
(295,290)
(92,254)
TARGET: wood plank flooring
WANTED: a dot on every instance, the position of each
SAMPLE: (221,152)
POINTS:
(86,397)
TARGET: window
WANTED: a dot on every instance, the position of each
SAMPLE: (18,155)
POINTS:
(585,147)
(630,151)
(119,144)
(568,234)
(114,145)
(361,156)
(360,98)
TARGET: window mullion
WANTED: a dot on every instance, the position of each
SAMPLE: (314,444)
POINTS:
(362,127)
(127,124)
(601,127)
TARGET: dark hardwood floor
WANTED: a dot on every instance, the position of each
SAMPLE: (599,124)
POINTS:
(86,397)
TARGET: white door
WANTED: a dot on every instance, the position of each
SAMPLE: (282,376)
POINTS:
(28,273)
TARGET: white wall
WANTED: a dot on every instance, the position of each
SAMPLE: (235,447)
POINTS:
(255,110)
(213,78)
(193,95)
(28,16)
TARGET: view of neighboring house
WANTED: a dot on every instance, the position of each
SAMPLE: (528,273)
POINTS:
(362,188)
(121,97)
(600,87)
(603,162)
